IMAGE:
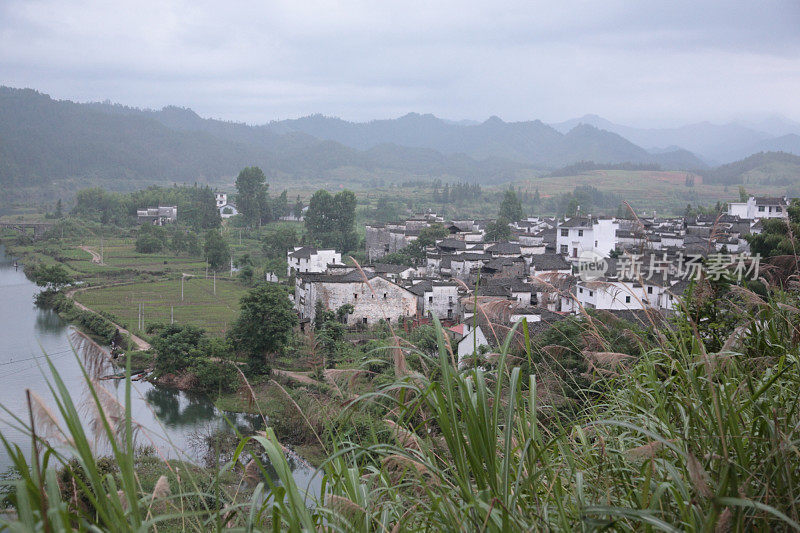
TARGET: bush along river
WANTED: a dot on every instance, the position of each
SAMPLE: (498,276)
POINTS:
(178,424)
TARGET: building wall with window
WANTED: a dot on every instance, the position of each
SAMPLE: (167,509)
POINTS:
(442,301)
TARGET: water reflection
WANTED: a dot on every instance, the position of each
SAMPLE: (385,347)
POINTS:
(166,404)
(48,322)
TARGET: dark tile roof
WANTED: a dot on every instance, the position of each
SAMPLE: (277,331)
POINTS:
(303,253)
(451,244)
(504,248)
(387,268)
(549,262)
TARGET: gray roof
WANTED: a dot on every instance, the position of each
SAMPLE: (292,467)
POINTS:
(303,253)
(549,262)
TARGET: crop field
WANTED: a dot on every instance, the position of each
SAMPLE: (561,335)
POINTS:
(665,192)
(201,305)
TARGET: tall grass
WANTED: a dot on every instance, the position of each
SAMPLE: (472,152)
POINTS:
(680,439)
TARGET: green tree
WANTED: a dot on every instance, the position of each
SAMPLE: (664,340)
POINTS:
(498,230)
(151,239)
(264,325)
(511,208)
(251,198)
(176,347)
(743,195)
(51,277)
(216,249)
(279,239)
(779,236)
(59,209)
(297,210)
(281,206)
(330,220)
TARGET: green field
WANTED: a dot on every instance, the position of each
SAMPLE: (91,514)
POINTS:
(665,192)
(200,306)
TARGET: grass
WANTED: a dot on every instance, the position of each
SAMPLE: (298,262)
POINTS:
(679,440)
(663,191)
(200,306)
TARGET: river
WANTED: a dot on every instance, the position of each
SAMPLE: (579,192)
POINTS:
(171,420)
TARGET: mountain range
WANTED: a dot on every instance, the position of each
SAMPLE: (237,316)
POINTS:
(46,142)
(714,143)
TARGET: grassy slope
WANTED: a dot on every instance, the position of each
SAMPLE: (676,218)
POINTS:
(647,190)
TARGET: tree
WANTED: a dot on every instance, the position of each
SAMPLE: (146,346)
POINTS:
(779,236)
(59,209)
(281,206)
(151,239)
(297,210)
(330,220)
(511,208)
(251,198)
(279,240)
(216,249)
(51,277)
(264,325)
(743,196)
(176,347)
(498,230)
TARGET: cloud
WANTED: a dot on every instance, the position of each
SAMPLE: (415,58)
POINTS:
(631,61)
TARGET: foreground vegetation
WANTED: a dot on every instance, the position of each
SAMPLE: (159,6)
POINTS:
(689,435)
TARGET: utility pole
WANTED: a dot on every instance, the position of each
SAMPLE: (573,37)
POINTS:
(182,278)
(171,314)
(101,250)
(215,283)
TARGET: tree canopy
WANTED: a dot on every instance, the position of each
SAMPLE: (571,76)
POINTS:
(511,207)
(216,249)
(265,323)
(330,220)
(252,198)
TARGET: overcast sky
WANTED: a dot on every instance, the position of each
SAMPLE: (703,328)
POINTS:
(637,62)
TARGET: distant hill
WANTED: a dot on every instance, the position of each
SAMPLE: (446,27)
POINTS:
(769,168)
(531,143)
(715,143)
(47,144)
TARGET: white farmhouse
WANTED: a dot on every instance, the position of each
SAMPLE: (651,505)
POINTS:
(309,259)
(586,234)
(758,207)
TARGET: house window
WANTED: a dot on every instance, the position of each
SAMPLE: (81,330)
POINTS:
(761,208)
(580,290)
(591,293)
(355,296)
(565,233)
(364,320)
(449,313)
(627,299)
(384,296)
(595,244)
(430,299)
(649,290)
(564,248)
(580,233)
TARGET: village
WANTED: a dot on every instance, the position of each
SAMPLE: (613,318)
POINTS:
(549,269)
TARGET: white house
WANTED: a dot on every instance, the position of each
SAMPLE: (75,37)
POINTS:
(221,198)
(309,259)
(380,299)
(758,207)
(586,234)
(157,216)
(470,342)
(613,295)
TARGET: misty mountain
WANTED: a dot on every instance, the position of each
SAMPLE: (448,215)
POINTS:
(45,142)
(715,143)
(530,143)
(712,142)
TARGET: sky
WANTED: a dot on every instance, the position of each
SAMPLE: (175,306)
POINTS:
(642,63)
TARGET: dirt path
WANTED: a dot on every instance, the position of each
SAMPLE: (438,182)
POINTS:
(96,257)
(140,343)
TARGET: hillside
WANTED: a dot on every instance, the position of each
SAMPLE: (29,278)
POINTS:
(50,147)
(769,168)
(531,143)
